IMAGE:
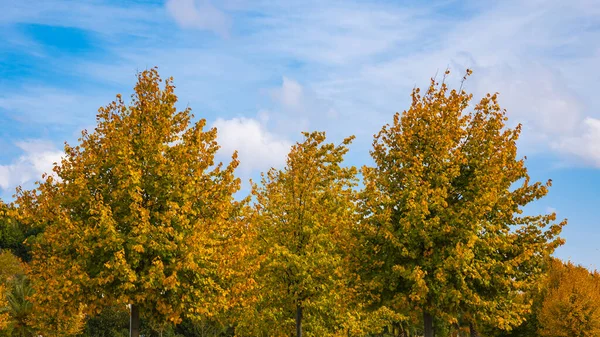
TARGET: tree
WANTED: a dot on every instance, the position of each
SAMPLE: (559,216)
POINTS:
(304,215)
(571,305)
(137,214)
(443,206)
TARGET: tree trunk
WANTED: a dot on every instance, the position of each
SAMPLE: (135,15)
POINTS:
(473,332)
(428,322)
(298,320)
(134,321)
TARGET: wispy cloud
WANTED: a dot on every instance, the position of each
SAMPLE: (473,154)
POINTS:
(48,105)
(95,16)
(339,66)
(199,14)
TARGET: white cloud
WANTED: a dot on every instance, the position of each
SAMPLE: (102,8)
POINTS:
(199,14)
(585,145)
(37,158)
(258,149)
(290,94)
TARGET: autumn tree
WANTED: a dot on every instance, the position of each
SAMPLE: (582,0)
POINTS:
(137,214)
(443,210)
(571,304)
(303,217)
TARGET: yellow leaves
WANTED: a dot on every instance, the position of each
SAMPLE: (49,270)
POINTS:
(440,276)
(571,305)
(138,248)
(502,324)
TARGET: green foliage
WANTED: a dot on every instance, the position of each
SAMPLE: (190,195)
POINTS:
(204,328)
(20,308)
(442,208)
(114,322)
(11,267)
(304,214)
(13,233)
(111,322)
(15,289)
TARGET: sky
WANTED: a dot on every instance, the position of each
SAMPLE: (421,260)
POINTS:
(264,71)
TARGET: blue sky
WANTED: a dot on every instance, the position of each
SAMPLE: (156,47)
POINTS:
(263,71)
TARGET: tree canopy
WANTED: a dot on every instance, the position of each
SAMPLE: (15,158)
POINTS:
(139,221)
(303,221)
(443,206)
(137,213)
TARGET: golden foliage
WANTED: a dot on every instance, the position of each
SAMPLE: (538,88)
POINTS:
(571,305)
(137,213)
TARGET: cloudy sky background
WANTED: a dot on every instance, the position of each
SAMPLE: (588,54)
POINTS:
(263,71)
